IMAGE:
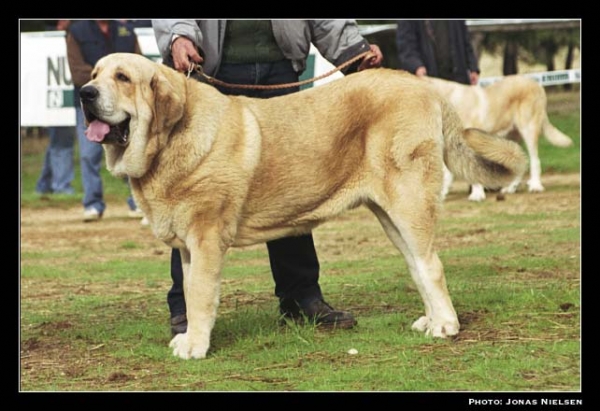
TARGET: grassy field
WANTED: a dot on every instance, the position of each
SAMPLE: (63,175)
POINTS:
(93,313)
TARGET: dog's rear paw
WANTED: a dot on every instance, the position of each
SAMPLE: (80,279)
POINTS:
(535,187)
(436,329)
(511,189)
(184,348)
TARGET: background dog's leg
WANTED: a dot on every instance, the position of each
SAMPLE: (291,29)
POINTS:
(201,279)
(448,178)
(528,128)
(414,239)
(531,135)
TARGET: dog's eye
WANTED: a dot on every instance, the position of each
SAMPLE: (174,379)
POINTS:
(122,77)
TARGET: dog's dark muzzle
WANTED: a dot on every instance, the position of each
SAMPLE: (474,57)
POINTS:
(98,130)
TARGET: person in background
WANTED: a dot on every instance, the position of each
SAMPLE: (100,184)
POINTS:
(265,52)
(87,42)
(437,48)
(58,169)
(141,23)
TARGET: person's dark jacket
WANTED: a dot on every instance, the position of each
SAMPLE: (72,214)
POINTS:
(415,49)
(86,45)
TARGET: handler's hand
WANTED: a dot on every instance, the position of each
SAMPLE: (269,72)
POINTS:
(421,71)
(184,53)
(373,61)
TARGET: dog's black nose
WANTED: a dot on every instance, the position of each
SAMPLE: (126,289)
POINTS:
(88,93)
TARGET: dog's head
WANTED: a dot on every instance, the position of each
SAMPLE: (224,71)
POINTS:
(131,105)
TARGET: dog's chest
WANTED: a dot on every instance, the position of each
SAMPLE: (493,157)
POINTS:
(162,227)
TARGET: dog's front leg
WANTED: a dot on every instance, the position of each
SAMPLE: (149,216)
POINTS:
(202,263)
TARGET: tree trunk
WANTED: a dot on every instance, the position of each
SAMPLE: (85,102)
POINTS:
(550,61)
(570,53)
(569,62)
(509,65)
(550,48)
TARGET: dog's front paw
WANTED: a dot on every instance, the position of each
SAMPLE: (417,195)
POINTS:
(477,193)
(184,347)
(476,196)
(436,328)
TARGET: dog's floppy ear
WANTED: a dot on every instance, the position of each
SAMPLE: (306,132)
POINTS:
(168,101)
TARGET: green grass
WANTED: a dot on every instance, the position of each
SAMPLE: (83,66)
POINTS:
(520,340)
(557,159)
(98,321)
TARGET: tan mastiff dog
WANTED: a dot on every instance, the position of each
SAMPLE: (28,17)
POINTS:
(212,171)
(515,107)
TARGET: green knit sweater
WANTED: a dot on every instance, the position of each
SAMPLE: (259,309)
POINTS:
(250,41)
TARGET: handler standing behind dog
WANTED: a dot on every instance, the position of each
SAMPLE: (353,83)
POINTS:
(265,52)
(437,48)
(87,42)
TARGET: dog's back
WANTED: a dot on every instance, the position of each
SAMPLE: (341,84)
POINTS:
(515,103)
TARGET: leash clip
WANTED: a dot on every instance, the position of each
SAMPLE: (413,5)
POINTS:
(190,69)
(194,67)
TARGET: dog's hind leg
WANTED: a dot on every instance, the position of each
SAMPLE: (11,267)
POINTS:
(448,179)
(529,127)
(531,135)
(409,224)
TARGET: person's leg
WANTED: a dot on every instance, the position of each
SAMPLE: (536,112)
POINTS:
(91,161)
(44,182)
(134,210)
(175,296)
(295,269)
(131,203)
(61,160)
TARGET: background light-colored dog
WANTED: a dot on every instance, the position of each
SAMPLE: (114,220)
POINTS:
(212,171)
(514,107)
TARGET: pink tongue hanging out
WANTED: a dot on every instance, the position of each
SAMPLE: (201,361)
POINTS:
(96,131)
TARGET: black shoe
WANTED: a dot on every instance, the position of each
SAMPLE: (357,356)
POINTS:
(317,312)
(179,324)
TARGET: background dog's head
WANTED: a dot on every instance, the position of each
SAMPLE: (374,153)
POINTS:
(131,105)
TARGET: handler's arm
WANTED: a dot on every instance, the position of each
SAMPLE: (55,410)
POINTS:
(339,41)
(166,31)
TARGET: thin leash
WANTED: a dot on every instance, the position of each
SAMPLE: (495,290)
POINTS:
(214,81)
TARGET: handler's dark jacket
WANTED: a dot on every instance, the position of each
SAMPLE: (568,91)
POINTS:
(86,44)
(415,47)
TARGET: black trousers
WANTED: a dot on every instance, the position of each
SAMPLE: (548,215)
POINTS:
(294,262)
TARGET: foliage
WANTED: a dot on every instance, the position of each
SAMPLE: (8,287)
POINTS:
(534,46)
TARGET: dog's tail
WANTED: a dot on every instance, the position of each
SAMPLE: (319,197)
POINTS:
(554,135)
(479,157)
